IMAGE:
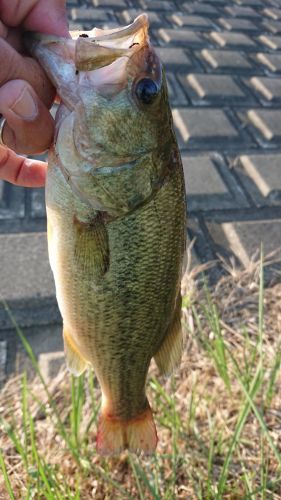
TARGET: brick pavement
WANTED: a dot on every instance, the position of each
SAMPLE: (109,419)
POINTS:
(223,65)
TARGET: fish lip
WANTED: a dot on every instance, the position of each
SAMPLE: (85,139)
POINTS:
(139,23)
(93,52)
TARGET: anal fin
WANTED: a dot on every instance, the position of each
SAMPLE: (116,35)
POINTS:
(75,362)
(170,352)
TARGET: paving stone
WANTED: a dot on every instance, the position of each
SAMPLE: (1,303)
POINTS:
(238,25)
(47,346)
(210,194)
(175,57)
(50,364)
(84,14)
(3,361)
(211,185)
(2,187)
(273,42)
(219,3)
(199,8)
(271,61)
(16,202)
(196,235)
(157,5)
(242,12)
(197,22)
(130,14)
(25,271)
(229,61)
(110,3)
(176,95)
(275,3)
(269,88)
(12,202)
(186,38)
(244,239)
(75,26)
(273,26)
(252,3)
(232,40)
(29,312)
(213,88)
(38,208)
(268,123)
(273,13)
(261,176)
(205,128)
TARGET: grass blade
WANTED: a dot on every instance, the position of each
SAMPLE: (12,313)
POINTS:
(256,383)
(33,360)
(6,477)
(261,421)
(131,462)
(140,472)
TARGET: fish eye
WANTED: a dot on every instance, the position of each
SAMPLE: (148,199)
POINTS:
(146,90)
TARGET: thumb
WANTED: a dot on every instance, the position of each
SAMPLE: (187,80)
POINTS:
(29,126)
(15,66)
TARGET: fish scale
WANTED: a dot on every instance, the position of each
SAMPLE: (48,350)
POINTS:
(119,319)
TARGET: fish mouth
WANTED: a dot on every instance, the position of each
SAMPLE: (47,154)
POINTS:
(98,48)
(123,36)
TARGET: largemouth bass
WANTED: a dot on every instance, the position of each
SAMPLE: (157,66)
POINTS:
(116,220)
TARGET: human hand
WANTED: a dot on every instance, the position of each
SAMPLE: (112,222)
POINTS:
(26,94)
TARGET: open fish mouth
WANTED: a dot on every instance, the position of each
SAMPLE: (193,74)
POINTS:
(106,60)
(97,48)
(112,58)
(123,36)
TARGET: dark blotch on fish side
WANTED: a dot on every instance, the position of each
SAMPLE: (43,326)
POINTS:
(84,35)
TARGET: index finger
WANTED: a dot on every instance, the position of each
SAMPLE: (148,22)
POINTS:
(20,170)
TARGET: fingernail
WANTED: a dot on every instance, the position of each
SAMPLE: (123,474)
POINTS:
(25,107)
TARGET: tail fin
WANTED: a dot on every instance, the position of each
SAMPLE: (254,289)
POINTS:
(137,434)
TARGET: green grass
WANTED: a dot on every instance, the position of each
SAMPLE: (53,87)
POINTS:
(217,437)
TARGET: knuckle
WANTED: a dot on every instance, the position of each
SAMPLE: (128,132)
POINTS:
(4,158)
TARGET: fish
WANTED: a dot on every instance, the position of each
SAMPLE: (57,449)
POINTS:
(116,220)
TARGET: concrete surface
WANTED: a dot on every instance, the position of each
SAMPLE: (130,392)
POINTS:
(223,65)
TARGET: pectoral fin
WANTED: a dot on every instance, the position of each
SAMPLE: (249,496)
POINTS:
(76,363)
(91,246)
(170,352)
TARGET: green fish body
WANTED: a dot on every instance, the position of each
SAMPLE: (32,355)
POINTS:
(116,220)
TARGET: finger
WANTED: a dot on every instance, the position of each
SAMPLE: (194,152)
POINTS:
(21,171)
(16,67)
(36,15)
(3,30)
(30,127)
